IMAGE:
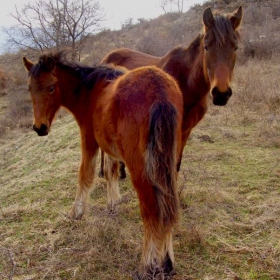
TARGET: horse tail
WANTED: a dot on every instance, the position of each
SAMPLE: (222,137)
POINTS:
(161,160)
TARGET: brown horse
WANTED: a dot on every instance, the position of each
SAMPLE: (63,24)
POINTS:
(135,117)
(205,66)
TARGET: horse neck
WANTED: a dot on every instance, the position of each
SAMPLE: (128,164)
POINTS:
(186,66)
(71,90)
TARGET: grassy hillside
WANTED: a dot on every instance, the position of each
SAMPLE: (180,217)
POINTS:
(229,181)
(229,193)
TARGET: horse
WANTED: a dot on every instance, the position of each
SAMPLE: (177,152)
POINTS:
(205,66)
(135,116)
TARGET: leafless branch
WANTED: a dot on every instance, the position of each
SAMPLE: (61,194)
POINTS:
(55,23)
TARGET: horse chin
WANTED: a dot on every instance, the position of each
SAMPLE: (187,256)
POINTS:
(42,134)
(42,131)
(220,102)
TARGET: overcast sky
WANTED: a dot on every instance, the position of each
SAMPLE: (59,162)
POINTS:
(116,11)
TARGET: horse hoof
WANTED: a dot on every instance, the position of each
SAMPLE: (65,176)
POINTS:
(72,215)
(137,276)
(167,266)
(156,273)
(101,174)
(112,209)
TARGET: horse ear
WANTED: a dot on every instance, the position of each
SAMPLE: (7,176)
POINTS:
(27,63)
(236,18)
(208,18)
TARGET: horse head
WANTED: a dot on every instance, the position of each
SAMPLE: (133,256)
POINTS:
(220,43)
(45,95)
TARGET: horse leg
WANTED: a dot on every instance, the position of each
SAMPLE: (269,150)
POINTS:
(157,255)
(184,139)
(86,176)
(101,171)
(122,170)
(111,175)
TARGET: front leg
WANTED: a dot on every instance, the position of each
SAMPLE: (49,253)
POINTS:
(184,139)
(86,177)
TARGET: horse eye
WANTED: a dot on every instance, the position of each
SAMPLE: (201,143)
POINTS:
(206,47)
(51,89)
(236,48)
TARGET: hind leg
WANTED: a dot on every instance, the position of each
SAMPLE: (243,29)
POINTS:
(157,254)
(122,170)
(101,171)
(111,172)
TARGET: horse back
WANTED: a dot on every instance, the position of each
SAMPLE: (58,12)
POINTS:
(138,90)
(130,59)
(126,106)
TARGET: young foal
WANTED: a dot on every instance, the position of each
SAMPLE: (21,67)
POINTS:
(206,65)
(135,117)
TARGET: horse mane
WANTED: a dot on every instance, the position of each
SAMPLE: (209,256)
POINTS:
(89,75)
(222,30)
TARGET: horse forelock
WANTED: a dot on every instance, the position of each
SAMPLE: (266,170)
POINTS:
(58,58)
(35,71)
(223,30)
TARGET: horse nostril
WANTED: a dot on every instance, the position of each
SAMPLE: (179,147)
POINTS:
(229,92)
(215,92)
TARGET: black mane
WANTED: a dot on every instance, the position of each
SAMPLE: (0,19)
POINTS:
(89,75)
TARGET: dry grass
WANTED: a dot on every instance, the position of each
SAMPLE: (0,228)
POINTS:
(229,192)
(229,182)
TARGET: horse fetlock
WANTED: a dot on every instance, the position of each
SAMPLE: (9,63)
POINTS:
(113,193)
(112,204)
(111,208)
(77,211)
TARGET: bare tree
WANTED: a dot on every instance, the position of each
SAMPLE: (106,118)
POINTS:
(163,4)
(180,5)
(55,24)
(167,4)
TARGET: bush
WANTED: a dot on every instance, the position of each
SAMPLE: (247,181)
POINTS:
(3,83)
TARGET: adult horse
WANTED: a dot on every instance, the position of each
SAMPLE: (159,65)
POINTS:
(205,66)
(135,117)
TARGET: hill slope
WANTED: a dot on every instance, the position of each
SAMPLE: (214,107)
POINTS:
(229,181)
(230,206)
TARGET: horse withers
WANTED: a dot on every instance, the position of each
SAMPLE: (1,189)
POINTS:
(135,117)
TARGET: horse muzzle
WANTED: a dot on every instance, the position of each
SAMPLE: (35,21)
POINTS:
(42,131)
(221,98)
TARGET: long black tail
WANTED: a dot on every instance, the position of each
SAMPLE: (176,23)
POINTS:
(161,160)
